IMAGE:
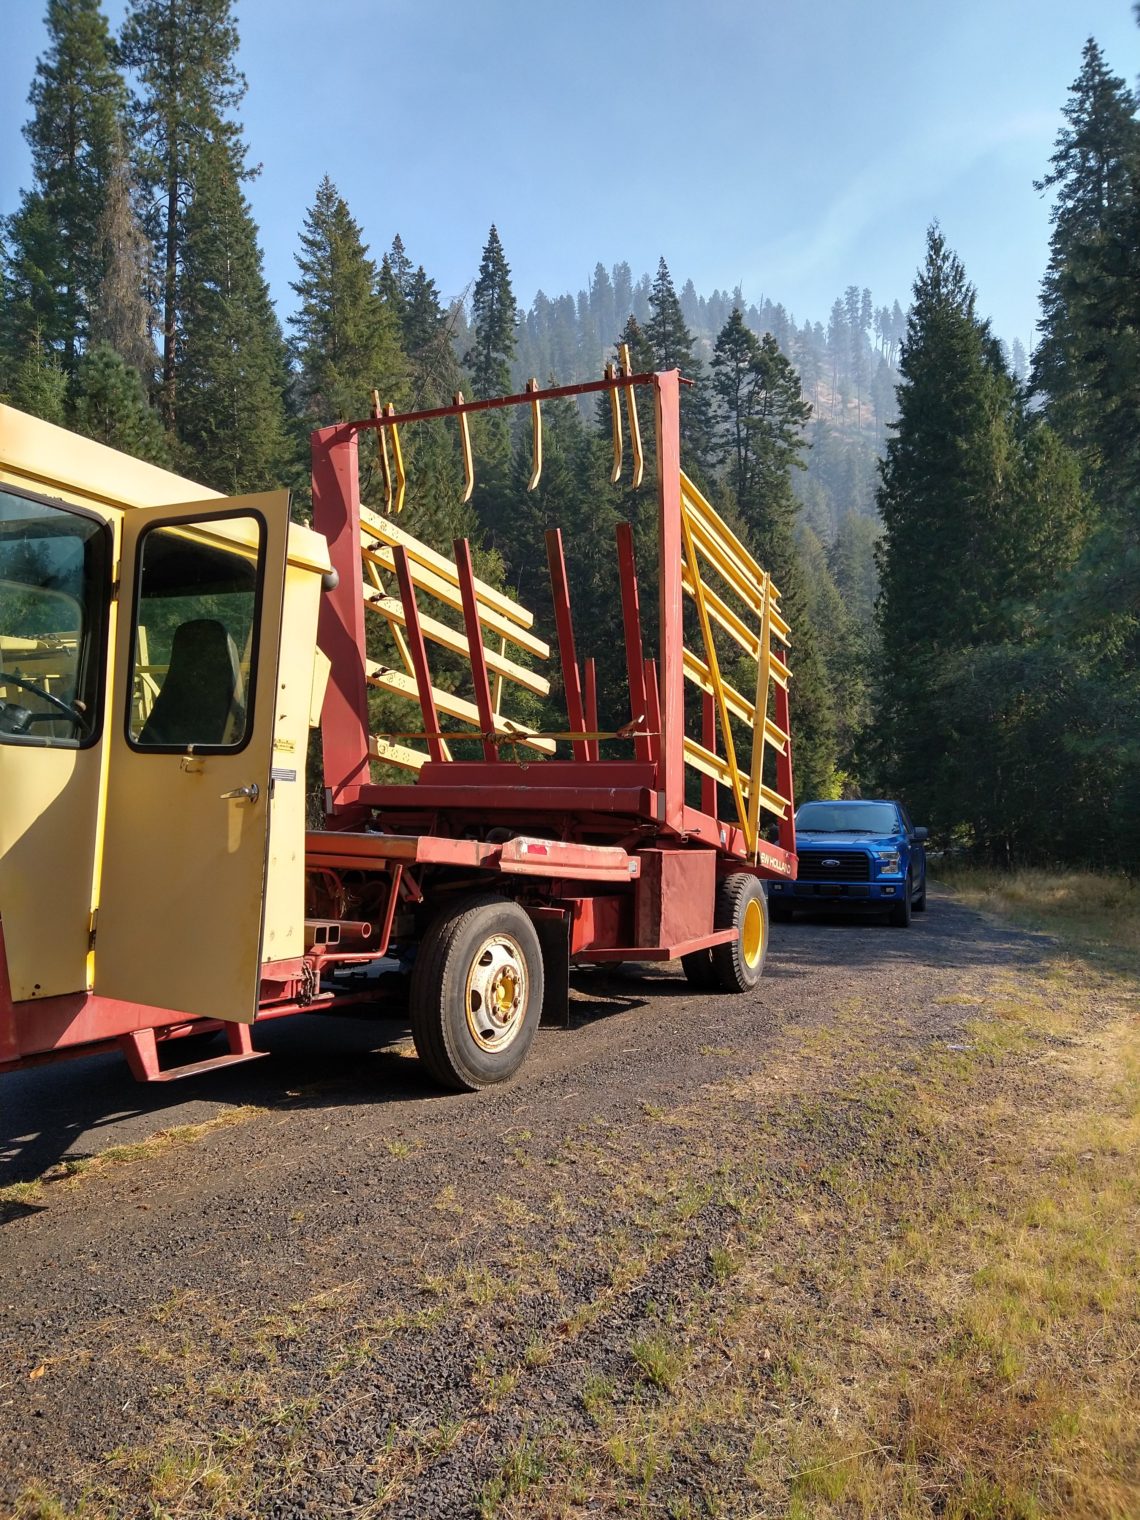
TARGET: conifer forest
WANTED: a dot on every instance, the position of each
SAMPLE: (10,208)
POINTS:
(954,524)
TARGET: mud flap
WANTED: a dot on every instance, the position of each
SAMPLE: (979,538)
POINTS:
(554,938)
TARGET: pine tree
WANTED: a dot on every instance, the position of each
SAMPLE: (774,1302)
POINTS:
(53,255)
(111,406)
(122,316)
(233,374)
(39,384)
(182,54)
(346,340)
(983,516)
(494,314)
(1086,363)
(671,344)
(427,342)
(760,416)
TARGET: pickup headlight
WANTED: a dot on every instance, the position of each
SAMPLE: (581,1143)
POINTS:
(888,862)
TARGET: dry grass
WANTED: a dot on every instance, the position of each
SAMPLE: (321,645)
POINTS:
(1086,909)
(933,1303)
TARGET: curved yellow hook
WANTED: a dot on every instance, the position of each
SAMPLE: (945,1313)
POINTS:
(398,455)
(465,443)
(536,443)
(615,421)
(382,454)
(634,425)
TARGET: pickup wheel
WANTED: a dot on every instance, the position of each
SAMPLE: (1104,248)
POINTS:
(740,904)
(900,913)
(920,901)
(476,993)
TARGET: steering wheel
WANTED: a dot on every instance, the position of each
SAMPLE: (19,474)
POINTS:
(73,713)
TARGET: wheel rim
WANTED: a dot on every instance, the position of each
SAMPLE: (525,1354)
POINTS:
(752,933)
(497,992)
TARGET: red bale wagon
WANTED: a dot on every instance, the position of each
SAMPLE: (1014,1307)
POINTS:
(506,869)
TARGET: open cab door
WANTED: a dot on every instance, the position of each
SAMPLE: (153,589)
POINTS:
(190,747)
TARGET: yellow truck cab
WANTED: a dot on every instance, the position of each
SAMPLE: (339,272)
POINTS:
(157,659)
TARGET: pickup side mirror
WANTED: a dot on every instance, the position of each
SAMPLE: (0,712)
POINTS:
(920,835)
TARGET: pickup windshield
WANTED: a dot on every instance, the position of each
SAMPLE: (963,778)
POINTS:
(52,598)
(847,818)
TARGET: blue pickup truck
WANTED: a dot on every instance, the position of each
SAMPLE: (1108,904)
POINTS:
(861,855)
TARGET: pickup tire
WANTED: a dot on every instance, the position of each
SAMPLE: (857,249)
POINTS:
(476,993)
(741,903)
(920,901)
(900,913)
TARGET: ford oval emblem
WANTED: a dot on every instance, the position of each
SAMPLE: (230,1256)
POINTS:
(830,862)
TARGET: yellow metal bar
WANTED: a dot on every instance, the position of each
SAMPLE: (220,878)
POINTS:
(714,674)
(716,522)
(615,425)
(465,444)
(401,642)
(396,754)
(712,765)
(634,424)
(536,436)
(497,694)
(698,672)
(391,608)
(724,615)
(382,454)
(398,456)
(403,685)
(725,551)
(444,591)
(759,732)
(391,533)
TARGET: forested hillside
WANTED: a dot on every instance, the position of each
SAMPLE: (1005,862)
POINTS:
(991,677)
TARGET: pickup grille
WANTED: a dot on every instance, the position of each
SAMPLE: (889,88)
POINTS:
(853,865)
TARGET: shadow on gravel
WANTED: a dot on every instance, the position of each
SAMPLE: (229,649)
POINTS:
(51,1114)
(947,935)
(56,1113)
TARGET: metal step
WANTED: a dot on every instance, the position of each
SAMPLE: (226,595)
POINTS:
(141,1050)
(214,1063)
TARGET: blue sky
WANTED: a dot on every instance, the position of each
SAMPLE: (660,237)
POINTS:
(792,148)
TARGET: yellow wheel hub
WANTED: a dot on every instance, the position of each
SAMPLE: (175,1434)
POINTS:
(505,992)
(752,933)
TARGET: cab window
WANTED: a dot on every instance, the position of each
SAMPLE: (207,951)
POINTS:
(53,601)
(194,638)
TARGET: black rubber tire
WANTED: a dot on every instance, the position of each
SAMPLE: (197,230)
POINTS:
(734,894)
(438,993)
(698,969)
(900,913)
(919,904)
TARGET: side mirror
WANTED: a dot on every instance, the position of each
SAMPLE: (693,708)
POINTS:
(920,835)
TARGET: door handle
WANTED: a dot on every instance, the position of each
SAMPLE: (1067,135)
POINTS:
(251,793)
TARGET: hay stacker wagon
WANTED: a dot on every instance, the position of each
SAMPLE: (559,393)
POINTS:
(163,654)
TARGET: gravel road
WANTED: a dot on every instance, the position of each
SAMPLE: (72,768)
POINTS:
(315,1311)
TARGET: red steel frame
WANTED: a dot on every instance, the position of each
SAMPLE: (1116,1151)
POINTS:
(587,796)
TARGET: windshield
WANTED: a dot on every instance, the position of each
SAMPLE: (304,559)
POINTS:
(848,818)
(52,599)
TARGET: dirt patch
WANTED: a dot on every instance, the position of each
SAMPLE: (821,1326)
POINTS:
(861,1244)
